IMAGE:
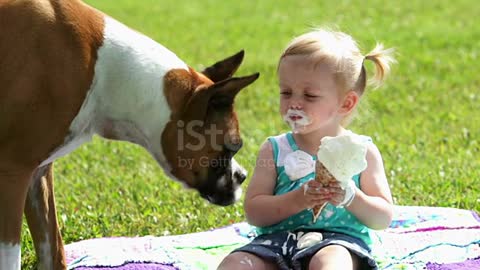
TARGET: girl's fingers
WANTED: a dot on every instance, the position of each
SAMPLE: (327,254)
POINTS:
(325,192)
(337,198)
(336,191)
(320,200)
(320,193)
(313,184)
(319,197)
(316,192)
(334,185)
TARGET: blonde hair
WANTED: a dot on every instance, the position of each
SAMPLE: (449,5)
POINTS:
(341,52)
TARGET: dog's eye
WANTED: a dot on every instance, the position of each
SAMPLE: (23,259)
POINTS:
(233,147)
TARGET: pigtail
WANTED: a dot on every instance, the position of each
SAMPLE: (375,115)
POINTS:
(383,59)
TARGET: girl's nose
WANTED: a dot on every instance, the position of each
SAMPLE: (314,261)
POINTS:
(295,104)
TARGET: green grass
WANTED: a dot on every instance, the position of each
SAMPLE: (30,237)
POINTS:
(425,120)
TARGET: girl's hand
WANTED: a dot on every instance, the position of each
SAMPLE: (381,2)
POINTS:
(336,194)
(311,194)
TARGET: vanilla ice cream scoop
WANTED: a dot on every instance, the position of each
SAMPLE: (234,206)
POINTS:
(343,156)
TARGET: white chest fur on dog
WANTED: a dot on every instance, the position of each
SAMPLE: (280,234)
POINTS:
(126,92)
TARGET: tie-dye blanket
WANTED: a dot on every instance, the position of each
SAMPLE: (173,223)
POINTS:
(431,238)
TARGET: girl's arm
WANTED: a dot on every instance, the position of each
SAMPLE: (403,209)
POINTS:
(262,207)
(373,204)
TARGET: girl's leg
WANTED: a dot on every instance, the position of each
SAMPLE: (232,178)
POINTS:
(333,257)
(245,261)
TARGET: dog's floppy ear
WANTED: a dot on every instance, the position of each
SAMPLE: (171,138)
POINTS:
(228,90)
(225,68)
(216,96)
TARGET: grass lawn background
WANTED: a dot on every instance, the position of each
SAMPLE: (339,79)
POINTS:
(425,119)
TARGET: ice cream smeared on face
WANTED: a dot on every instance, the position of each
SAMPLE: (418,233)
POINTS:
(297,119)
(343,156)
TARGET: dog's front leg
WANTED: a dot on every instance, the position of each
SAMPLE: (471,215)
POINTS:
(13,190)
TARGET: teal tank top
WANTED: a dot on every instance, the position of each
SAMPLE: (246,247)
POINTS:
(331,219)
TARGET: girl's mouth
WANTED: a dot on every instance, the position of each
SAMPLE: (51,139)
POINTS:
(295,117)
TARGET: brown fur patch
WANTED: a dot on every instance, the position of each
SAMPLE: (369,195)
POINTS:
(179,87)
(47,59)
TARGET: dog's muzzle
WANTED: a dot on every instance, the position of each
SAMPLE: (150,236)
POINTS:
(225,189)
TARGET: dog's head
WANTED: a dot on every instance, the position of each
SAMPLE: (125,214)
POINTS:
(203,134)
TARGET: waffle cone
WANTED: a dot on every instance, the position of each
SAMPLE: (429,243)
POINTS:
(323,176)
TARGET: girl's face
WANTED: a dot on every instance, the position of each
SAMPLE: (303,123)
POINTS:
(309,97)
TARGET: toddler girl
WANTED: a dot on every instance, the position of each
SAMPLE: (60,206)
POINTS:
(321,79)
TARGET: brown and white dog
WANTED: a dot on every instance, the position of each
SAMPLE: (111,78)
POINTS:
(67,72)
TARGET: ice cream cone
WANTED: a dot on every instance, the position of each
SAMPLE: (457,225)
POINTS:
(344,156)
(324,177)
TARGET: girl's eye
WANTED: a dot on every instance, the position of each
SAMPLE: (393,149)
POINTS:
(310,96)
(285,93)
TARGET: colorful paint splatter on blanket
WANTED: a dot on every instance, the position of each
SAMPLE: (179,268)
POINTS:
(431,238)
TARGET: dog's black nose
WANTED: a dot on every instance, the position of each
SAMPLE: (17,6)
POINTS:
(239,177)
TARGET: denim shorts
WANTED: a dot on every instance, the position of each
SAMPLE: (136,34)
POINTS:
(281,248)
